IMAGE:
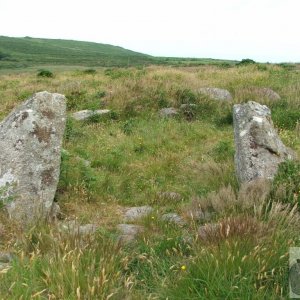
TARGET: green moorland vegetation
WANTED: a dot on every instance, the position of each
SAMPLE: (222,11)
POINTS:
(16,53)
(136,157)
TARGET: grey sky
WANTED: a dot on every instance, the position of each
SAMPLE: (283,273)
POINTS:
(264,30)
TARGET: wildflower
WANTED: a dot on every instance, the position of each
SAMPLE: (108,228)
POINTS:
(183,268)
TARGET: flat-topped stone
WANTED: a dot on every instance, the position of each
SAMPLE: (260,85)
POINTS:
(86,114)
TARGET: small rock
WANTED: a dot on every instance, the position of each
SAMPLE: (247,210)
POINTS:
(85,114)
(75,229)
(173,218)
(168,112)
(199,215)
(188,106)
(6,257)
(85,162)
(129,232)
(173,196)
(208,231)
(135,213)
(55,211)
(216,93)
(4,267)
(267,93)
(2,230)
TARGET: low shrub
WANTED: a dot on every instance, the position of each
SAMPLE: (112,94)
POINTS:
(245,62)
(45,73)
(90,71)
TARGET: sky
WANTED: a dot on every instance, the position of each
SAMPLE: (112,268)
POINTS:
(263,30)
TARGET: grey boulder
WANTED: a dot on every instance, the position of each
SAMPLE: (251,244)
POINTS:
(134,213)
(259,149)
(267,93)
(129,232)
(168,112)
(30,142)
(173,218)
(216,93)
(86,114)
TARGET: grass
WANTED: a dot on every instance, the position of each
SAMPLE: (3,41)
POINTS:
(135,156)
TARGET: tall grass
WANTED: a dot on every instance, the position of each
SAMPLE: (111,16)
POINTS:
(135,157)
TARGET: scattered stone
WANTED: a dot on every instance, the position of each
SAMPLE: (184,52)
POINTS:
(173,218)
(138,212)
(259,149)
(172,196)
(85,114)
(188,106)
(199,215)
(168,112)
(85,162)
(30,143)
(129,232)
(4,267)
(74,228)
(216,93)
(209,231)
(267,93)
(2,231)
(5,257)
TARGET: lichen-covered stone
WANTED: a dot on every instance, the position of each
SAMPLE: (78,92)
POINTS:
(259,149)
(134,213)
(30,142)
(216,93)
(173,218)
(168,112)
(86,114)
(129,232)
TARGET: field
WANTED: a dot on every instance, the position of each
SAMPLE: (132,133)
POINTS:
(139,158)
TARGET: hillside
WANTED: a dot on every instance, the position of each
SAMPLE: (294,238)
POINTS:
(16,53)
(25,52)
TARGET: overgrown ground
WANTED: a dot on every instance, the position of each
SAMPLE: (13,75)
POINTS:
(136,156)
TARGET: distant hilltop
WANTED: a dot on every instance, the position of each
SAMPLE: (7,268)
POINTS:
(27,51)
(22,52)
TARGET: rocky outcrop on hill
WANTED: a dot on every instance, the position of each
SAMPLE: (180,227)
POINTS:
(259,149)
(30,143)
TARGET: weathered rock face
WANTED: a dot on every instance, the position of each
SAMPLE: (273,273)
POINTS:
(216,93)
(30,149)
(259,149)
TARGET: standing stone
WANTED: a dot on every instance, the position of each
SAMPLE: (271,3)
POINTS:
(30,149)
(259,149)
(216,93)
